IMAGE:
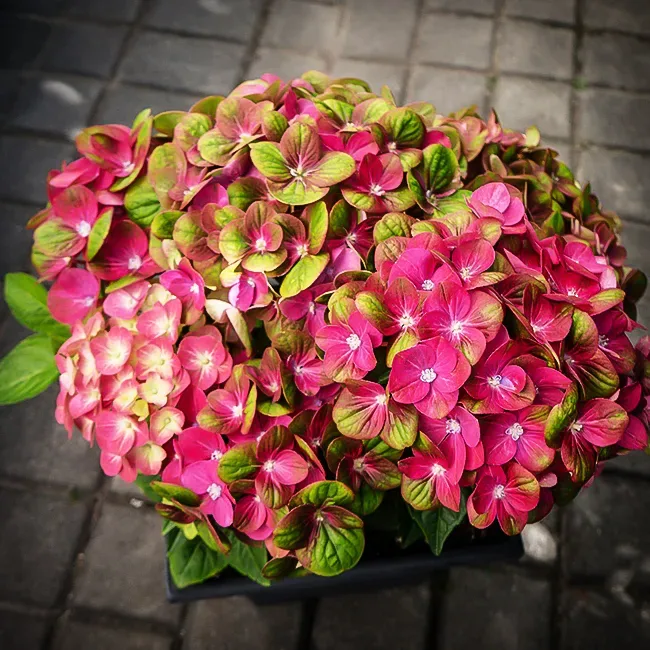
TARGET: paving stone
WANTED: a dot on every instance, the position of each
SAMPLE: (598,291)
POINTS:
(635,237)
(183,63)
(500,611)
(10,82)
(123,102)
(287,65)
(636,462)
(40,7)
(233,19)
(522,102)
(238,624)
(617,60)
(485,7)
(123,488)
(305,27)
(376,74)
(39,448)
(608,531)
(58,105)
(118,10)
(562,11)
(619,179)
(382,620)
(534,48)
(598,622)
(124,565)
(21,632)
(448,90)
(622,15)
(85,49)
(38,538)
(21,40)
(81,636)
(25,162)
(382,28)
(439,36)
(16,243)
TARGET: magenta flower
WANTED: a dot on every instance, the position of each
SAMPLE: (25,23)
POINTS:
(249,289)
(73,295)
(467,320)
(549,320)
(268,374)
(109,146)
(187,285)
(423,269)
(205,358)
(79,172)
(201,478)
(303,305)
(253,518)
(116,434)
(507,496)
(498,201)
(161,321)
(308,371)
(357,145)
(471,259)
(125,303)
(112,350)
(349,347)
(613,326)
(520,436)
(429,375)
(195,444)
(125,251)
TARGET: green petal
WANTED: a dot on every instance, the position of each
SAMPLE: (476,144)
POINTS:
(334,167)
(303,274)
(322,493)
(404,127)
(269,161)
(440,167)
(98,233)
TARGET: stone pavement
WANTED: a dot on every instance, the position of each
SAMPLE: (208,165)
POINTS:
(81,560)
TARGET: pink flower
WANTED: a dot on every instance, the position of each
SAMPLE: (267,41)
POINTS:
(349,347)
(308,371)
(205,358)
(125,303)
(248,290)
(161,321)
(429,376)
(423,269)
(507,496)
(230,409)
(202,479)
(77,209)
(373,182)
(185,283)
(196,444)
(116,435)
(303,305)
(112,350)
(73,295)
(495,200)
(472,258)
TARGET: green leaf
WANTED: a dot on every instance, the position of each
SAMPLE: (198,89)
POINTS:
(243,192)
(27,370)
(163,223)
(191,561)
(171,491)
(401,428)
(269,161)
(366,501)
(438,524)
(99,233)
(393,224)
(440,167)
(141,202)
(418,493)
(303,274)
(27,300)
(191,127)
(238,462)
(321,493)
(166,122)
(207,105)
(248,560)
(404,127)
(560,416)
(144,483)
(279,567)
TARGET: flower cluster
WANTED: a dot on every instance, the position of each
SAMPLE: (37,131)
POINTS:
(300,304)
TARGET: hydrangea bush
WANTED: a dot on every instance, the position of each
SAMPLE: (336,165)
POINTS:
(302,317)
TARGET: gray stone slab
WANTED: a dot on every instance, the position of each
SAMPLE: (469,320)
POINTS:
(448,90)
(16,244)
(617,60)
(84,49)
(81,636)
(309,28)
(601,622)
(10,82)
(614,118)
(40,7)
(38,538)
(495,611)
(238,624)
(123,102)
(619,178)
(636,462)
(440,36)
(376,74)
(380,29)
(608,531)
(232,19)
(623,15)
(483,7)
(534,48)
(21,632)
(25,162)
(21,40)
(559,11)
(562,147)
(55,104)
(117,10)
(287,65)
(123,569)
(383,620)
(196,65)
(636,237)
(524,102)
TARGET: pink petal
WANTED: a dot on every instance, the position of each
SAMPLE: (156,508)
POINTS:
(289,468)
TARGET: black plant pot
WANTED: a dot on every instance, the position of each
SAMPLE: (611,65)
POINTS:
(374,572)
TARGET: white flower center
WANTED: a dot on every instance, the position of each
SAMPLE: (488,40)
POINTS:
(353,341)
(269,466)
(391,146)
(427,285)
(88,302)
(572,292)
(452,426)
(302,250)
(603,341)
(576,427)
(260,244)
(466,273)
(195,289)
(456,328)
(428,375)
(238,410)
(499,491)
(216,455)
(515,431)
(406,321)
(214,491)
(83,229)
(134,263)
(437,470)
(358,465)
(494,381)
(381,399)
(377,190)
(128,167)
